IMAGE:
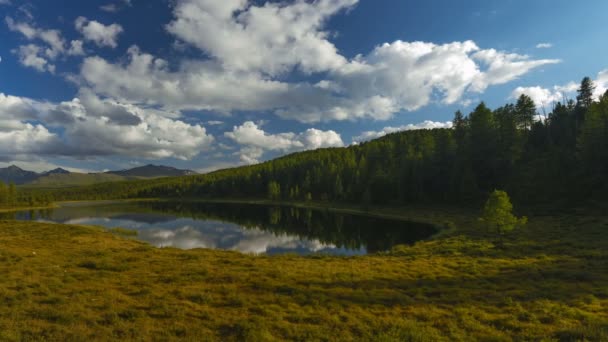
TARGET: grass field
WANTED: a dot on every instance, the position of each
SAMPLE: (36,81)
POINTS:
(546,282)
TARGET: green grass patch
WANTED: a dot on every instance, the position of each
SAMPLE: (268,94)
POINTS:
(546,282)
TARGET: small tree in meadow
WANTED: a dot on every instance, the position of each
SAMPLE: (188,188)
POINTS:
(497,214)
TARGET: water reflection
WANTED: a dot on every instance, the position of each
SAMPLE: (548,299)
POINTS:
(244,228)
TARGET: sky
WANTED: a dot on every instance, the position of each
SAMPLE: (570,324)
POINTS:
(206,84)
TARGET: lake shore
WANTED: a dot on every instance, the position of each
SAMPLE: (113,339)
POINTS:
(73,282)
(441,217)
(15,209)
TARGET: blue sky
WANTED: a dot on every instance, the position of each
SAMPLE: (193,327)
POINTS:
(202,84)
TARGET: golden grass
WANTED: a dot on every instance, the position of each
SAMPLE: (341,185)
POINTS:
(548,282)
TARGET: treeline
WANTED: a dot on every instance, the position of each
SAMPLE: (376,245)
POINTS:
(561,155)
(11,197)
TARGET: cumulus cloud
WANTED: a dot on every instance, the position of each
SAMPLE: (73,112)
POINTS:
(561,93)
(196,85)
(17,138)
(98,33)
(272,38)
(601,83)
(93,126)
(394,77)
(31,56)
(106,127)
(255,141)
(543,96)
(19,108)
(405,76)
(544,45)
(17,135)
(39,56)
(370,135)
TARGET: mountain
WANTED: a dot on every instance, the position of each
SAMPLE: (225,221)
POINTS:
(152,171)
(60,177)
(60,180)
(57,171)
(14,174)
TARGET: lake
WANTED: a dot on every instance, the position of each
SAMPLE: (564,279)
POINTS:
(246,228)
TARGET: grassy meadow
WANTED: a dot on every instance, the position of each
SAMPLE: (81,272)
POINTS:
(545,282)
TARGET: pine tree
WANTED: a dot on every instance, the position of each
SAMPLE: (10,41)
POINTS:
(483,146)
(525,110)
(585,93)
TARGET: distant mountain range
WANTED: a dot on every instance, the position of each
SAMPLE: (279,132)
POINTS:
(63,178)
(152,171)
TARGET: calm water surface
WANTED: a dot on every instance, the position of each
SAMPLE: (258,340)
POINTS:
(240,227)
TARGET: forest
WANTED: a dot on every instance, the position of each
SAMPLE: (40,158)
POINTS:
(552,157)
(12,197)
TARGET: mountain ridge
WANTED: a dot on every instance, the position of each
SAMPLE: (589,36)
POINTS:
(152,171)
(60,177)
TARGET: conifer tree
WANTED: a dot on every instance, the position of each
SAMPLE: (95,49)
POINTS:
(585,93)
(497,214)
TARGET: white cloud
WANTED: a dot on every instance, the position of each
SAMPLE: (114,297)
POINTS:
(115,7)
(601,83)
(255,141)
(56,44)
(196,85)
(19,108)
(98,33)
(76,48)
(272,38)
(370,135)
(394,77)
(17,135)
(245,71)
(31,56)
(111,8)
(18,138)
(25,29)
(504,67)
(39,57)
(543,97)
(96,127)
(544,46)
(106,127)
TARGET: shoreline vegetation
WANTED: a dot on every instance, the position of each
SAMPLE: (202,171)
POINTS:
(27,208)
(547,281)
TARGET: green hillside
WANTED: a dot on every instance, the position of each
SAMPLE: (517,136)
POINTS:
(560,160)
(74,179)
